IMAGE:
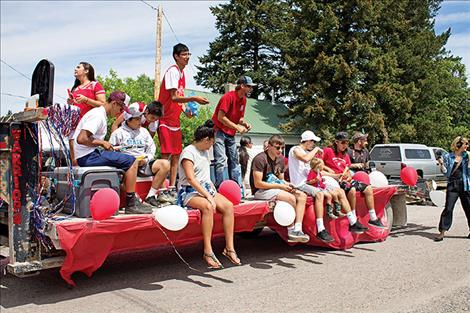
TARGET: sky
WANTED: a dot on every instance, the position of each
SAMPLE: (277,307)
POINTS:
(120,35)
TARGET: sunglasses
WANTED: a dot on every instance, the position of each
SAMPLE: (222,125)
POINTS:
(343,142)
(279,147)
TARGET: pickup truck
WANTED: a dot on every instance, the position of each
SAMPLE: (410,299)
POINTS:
(391,158)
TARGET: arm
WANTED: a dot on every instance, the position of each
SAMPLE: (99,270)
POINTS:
(100,100)
(117,122)
(188,168)
(86,138)
(243,123)
(221,116)
(260,184)
(176,98)
(306,157)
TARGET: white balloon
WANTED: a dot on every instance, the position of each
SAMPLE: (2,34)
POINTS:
(330,182)
(284,213)
(434,184)
(438,197)
(378,179)
(171,217)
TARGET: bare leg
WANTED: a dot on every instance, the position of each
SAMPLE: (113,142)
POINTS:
(130,177)
(225,207)
(207,220)
(160,168)
(369,195)
(352,198)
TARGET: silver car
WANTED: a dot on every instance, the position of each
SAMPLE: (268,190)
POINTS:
(391,158)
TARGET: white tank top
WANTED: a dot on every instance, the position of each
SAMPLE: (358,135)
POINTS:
(298,169)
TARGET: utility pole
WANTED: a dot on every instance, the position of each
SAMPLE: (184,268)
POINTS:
(158,52)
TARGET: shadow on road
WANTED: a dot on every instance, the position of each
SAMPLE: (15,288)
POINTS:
(413,230)
(147,270)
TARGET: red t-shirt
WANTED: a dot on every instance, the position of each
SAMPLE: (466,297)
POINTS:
(313,175)
(171,110)
(337,162)
(90,90)
(234,108)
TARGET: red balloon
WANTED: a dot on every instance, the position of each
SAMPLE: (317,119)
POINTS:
(409,176)
(104,203)
(362,177)
(231,190)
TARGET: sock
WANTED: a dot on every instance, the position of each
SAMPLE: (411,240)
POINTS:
(372,215)
(291,228)
(298,227)
(320,225)
(353,212)
(130,198)
(152,192)
(351,218)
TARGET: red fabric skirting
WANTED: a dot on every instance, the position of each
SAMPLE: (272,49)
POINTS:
(339,228)
(88,243)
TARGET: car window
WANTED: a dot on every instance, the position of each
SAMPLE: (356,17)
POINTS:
(385,154)
(439,152)
(418,154)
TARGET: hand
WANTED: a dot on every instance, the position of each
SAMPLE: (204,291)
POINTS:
(319,151)
(81,99)
(70,101)
(286,187)
(440,161)
(212,202)
(107,146)
(201,100)
(142,162)
(247,126)
(241,129)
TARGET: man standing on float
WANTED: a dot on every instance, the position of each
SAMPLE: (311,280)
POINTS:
(173,100)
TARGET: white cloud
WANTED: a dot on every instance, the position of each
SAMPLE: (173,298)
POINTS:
(461,17)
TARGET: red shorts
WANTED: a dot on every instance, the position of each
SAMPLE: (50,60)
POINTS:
(171,141)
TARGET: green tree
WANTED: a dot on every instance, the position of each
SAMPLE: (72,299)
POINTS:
(248,30)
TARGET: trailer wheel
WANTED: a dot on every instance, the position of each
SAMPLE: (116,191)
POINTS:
(252,234)
(388,211)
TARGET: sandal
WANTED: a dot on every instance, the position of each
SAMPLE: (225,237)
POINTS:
(232,256)
(214,262)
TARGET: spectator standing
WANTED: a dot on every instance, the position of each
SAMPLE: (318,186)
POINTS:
(455,165)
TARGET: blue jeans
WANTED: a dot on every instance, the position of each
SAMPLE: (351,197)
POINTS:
(225,149)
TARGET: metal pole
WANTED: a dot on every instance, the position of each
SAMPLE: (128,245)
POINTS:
(158,52)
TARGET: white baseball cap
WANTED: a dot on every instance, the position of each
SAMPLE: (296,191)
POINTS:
(135,109)
(309,135)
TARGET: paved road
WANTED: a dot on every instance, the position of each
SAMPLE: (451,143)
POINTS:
(407,273)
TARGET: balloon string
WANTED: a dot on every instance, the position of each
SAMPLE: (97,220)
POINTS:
(176,251)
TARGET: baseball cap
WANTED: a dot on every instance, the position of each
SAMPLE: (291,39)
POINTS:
(309,135)
(135,109)
(120,96)
(245,80)
(342,136)
(358,136)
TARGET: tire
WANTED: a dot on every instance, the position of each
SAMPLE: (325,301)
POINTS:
(388,211)
(251,234)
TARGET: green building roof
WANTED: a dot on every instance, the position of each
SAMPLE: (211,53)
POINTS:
(263,116)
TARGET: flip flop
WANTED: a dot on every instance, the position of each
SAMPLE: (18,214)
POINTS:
(212,256)
(229,255)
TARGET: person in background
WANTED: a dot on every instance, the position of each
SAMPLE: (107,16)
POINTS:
(359,154)
(228,119)
(267,183)
(86,94)
(172,98)
(338,162)
(197,192)
(135,140)
(90,134)
(246,155)
(149,119)
(456,166)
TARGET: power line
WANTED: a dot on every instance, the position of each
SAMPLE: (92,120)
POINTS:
(168,22)
(155,9)
(15,70)
(12,95)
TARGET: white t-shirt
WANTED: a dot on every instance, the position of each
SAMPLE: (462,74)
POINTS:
(298,169)
(135,142)
(251,155)
(95,121)
(201,165)
(172,77)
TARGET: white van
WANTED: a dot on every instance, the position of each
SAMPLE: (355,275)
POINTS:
(391,158)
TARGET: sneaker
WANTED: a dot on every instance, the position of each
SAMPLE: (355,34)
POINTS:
(173,192)
(325,236)
(377,223)
(357,228)
(139,208)
(165,197)
(329,211)
(297,236)
(152,201)
(338,212)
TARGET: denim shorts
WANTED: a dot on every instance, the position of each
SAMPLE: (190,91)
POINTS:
(107,158)
(187,192)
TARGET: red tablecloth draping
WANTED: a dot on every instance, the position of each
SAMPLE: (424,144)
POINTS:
(87,243)
(339,228)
